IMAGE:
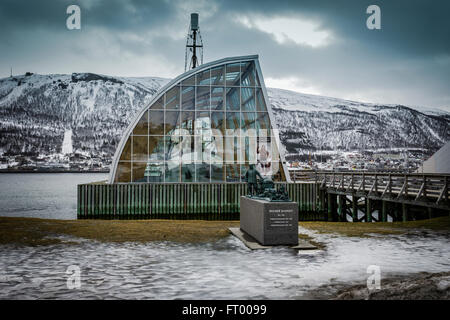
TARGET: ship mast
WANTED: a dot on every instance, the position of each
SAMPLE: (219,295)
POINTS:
(194,45)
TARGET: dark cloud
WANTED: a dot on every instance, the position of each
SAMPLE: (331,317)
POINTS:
(415,25)
(407,61)
(112,14)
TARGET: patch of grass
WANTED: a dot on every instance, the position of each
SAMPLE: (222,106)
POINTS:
(33,232)
(363,229)
(30,231)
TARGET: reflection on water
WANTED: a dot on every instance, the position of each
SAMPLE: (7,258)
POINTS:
(42,195)
(224,269)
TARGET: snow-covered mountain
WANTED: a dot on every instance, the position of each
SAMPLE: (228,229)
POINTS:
(38,111)
(317,122)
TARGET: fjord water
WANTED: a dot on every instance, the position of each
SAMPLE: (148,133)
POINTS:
(42,195)
(222,269)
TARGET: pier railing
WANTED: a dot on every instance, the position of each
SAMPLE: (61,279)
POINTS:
(431,189)
(379,195)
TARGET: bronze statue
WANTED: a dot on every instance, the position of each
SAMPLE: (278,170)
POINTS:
(251,178)
(264,189)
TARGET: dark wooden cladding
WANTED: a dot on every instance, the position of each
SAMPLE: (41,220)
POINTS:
(320,195)
(209,201)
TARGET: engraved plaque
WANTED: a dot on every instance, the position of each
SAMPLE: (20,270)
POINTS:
(270,223)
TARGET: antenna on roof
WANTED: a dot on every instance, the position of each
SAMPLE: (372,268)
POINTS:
(194,45)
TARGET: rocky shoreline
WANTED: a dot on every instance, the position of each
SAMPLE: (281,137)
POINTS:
(422,286)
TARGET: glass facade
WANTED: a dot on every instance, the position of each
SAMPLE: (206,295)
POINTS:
(208,127)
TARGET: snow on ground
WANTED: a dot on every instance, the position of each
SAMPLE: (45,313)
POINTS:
(223,269)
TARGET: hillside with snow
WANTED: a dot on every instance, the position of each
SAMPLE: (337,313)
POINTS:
(39,113)
(36,111)
(309,122)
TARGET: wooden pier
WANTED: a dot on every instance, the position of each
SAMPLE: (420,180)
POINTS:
(402,197)
(325,196)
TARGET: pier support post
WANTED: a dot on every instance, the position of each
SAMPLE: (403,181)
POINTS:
(384,208)
(340,206)
(332,204)
(368,210)
(342,213)
(355,208)
(397,212)
(404,212)
(430,213)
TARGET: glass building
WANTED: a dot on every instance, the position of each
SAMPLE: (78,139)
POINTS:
(207,125)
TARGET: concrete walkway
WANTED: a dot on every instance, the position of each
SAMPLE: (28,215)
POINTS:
(252,244)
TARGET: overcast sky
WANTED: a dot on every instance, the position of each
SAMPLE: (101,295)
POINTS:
(312,46)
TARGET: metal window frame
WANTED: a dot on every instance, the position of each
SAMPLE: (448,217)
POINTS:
(177,81)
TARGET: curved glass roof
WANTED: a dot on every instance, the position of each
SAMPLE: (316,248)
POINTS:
(207,125)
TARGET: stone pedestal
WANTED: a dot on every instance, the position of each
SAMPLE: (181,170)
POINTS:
(270,223)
